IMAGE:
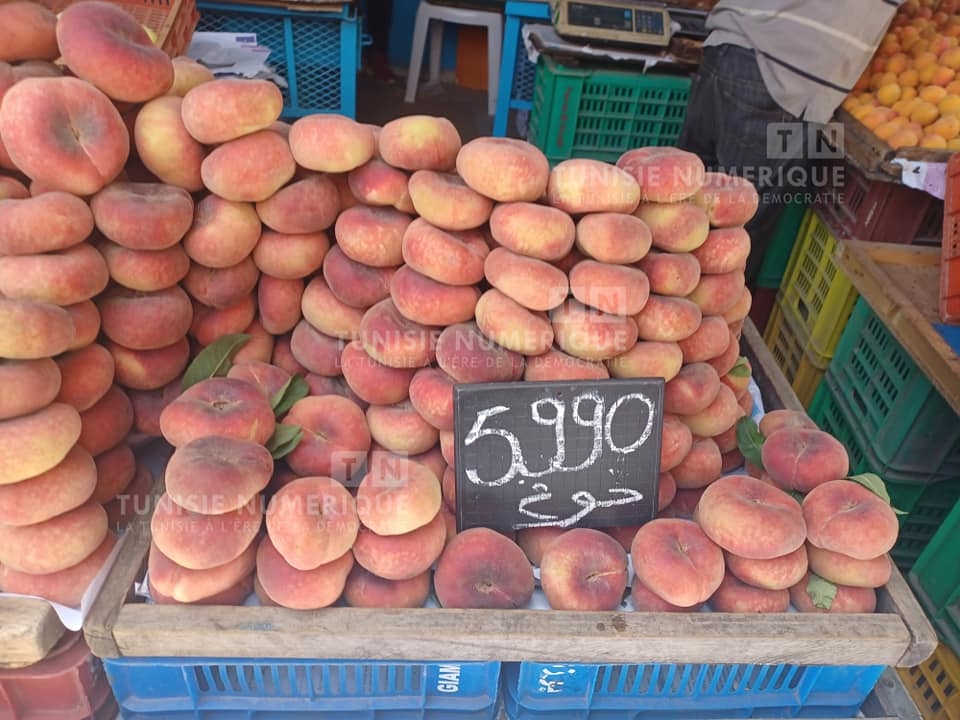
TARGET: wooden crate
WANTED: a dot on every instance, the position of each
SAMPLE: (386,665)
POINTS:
(897,635)
(874,157)
(902,284)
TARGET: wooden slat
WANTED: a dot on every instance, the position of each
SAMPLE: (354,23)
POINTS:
(866,151)
(774,388)
(512,635)
(897,597)
(29,628)
(117,589)
(924,154)
(901,284)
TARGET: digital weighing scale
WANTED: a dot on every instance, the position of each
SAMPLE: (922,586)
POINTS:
(623,22)
(629,22)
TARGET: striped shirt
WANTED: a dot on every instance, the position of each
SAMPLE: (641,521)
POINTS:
(810,52)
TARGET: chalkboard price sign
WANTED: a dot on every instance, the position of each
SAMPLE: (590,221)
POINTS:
(565,454)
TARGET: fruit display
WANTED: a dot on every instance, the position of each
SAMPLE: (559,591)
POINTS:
(289,306)
(909,95)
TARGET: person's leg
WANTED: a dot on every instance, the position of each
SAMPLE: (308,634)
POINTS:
(743,121)
(379,17)
(699,132)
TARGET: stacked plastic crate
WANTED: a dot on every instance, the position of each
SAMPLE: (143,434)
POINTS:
(789,230)
(894,423)
(275,689)
(934,575)
(935,580)
(517,73)
(812,306)
(68,684)
(685,691)
(315,50)
(815,298)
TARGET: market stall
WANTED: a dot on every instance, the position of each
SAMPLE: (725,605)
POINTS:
(324,416)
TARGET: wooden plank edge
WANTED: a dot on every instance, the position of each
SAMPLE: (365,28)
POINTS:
(918,154)
(890,699)
(774,388)
(897,597)
(29,628)
(914,331)
(865,151)
(118,587)
(512,635)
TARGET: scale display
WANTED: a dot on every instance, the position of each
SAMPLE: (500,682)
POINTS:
(614,21)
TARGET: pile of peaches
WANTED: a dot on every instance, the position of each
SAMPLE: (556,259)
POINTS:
(333,281)
(909,95)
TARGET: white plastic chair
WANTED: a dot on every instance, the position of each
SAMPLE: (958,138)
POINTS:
(426,12)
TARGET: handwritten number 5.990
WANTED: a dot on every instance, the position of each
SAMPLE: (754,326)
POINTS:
(601,421)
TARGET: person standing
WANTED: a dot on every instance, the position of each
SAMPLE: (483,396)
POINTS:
(379,17)
(770,62)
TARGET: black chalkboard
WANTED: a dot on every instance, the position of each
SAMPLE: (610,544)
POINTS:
(568,454)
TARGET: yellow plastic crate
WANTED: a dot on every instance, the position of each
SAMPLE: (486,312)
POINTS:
(800,365)
(815,292)
(934,685)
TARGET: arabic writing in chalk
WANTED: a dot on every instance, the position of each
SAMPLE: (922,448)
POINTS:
(587,502)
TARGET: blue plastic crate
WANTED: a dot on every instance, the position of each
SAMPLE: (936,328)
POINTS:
(316,51)
(254,689)
(517,73)
(536,691)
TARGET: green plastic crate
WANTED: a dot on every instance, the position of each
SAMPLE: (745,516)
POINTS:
(927,508)
(831,417)
(935,579)
(926,505)
(901,417)
(794,219)
(601,113)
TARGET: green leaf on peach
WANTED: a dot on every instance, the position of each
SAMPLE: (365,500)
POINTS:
(283,399)
(750,440)
(741,369)
(284,439)
(214,360)
(874,483)
(822,592)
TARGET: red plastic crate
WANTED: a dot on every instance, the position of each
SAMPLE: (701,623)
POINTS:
(950,267)
(68,684)
(761,306)
(878,211)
